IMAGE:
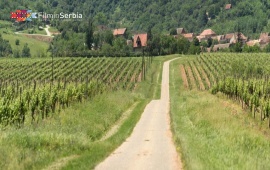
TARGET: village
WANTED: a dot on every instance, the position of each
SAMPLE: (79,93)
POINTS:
(219,42)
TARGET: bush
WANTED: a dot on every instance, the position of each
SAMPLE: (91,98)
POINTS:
(17,42)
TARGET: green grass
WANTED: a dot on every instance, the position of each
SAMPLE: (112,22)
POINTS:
(212,132)
(37,31)
(77,130)
(4,24)
(53,29)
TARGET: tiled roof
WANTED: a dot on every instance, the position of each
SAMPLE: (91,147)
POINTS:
(140,37)
(188,35)
(228,6)
(207,32)
(120,31)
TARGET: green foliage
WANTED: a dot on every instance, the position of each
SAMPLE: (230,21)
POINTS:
(17,42)
(209,42)
(252,16)
(173,31)
(5,48)
(267,48)
(89,34)
(237,47)
(182,45)
(16,53)
(26,51)
(251,49)
(202,19)
(194,49)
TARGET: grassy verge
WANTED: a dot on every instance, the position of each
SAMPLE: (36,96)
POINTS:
(212,132)
(76,131)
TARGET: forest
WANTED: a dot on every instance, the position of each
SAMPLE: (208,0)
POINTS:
(162,15)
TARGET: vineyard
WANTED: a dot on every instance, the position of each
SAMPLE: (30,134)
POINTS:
(33,89)
(241,77)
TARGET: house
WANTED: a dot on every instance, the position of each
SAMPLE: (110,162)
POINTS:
(201,38)
(208,33)
(139,42)
(221,46)
(180,31)
(265,38)
(228,6)
(253,42)
(219,38)
(189,36)
(232,37)
(120,32)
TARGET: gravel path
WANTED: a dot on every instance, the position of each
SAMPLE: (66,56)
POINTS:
(150,145)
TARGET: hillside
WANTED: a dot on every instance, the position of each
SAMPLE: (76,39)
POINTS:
(251,16)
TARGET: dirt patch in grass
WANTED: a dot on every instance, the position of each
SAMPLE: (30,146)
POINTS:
(184,76)
(40,37)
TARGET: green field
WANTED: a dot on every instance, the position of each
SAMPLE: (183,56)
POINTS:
(214,131)
(74,132)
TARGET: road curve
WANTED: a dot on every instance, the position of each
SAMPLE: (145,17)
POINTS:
(150,145)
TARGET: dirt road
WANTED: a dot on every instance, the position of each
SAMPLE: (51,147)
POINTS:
(150,145)
(49,34)
(47,30)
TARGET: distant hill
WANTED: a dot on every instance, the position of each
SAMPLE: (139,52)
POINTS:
(249,16)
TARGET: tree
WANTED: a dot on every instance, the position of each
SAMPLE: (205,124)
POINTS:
(101,19)
(173,31)
(5,47)
(202,19)
(182,45)
(26,51)
(209,42)
(17,42)
(267,48)
(150,42)
(237,47)
(89,34)
(16,53)
(195,46)
(108,37)
(196,41)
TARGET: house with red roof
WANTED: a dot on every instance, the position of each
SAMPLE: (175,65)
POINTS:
(139,42)
(120,32)
(265,38)
(228,6)
(208,33)
(189,36)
